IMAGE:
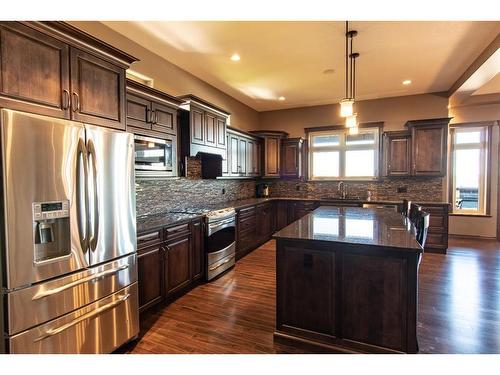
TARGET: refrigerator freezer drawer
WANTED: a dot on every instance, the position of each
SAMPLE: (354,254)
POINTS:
(40,303)
(97,328)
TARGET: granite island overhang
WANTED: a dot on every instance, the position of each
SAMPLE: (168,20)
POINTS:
(346,281)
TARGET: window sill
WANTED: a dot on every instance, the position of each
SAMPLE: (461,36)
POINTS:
(470,215)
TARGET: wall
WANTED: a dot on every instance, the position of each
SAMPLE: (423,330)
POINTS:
(170,78)
(394,112)
(479,226)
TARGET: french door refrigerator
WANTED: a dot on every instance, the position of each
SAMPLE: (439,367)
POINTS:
(68,236)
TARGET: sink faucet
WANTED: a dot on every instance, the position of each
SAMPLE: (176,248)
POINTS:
(342,189)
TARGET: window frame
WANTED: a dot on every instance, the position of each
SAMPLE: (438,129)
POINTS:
(374,127)
(485,176)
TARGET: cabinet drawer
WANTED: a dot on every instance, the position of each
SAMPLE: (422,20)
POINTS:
(246,212)
(148,239)
(173,233)
(437,222)
(247,223)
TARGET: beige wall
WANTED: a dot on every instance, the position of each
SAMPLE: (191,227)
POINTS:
(170,78)
(393,111)
(479,226)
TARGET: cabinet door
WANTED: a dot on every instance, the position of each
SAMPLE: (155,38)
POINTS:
(138,112)
(221,132)
(226,161)
(249,158)
(197,127)
(257,159)
(210,129)
(242,156)
(398,156)
(164,118)
(98,90)
(34,71)
(197,249)
(281,214)
(150,276)
(178,260)
(272,157)
(429,150)
(290,161)
(234,147)
(265,222)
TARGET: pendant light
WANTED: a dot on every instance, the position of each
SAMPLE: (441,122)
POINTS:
(347,104)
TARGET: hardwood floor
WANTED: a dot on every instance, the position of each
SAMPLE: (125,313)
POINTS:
(459,307)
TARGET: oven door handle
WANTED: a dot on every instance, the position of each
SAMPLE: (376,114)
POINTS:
(221,264)
(215,227)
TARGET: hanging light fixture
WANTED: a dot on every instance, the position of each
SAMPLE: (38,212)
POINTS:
(347,104)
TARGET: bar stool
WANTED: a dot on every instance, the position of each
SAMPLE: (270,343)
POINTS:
(422,227)
(414,210)
(405,210)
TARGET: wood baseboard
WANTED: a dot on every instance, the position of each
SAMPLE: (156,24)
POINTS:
(469,237)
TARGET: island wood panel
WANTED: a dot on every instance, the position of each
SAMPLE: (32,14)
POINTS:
(306,280)
(34,71)
(374,300)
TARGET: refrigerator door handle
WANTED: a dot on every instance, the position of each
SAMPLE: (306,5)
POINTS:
(93,277)
(90,315)
(81,194)
(95,215)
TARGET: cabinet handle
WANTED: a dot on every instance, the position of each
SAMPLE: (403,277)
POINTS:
(65,99)
(76,107)
(148,115)
(152,117)
(156,117)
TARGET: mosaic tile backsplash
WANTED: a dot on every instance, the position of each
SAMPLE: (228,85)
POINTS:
(423,190)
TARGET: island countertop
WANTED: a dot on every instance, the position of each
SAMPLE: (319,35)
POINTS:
(368,226)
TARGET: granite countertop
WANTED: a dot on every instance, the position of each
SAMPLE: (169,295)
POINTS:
(157,221)
(353,225)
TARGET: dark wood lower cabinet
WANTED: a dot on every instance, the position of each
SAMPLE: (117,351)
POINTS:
(197,249)
(177,264)
(281,215)
(150,274)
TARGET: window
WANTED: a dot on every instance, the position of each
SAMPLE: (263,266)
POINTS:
(335,154)
(469,169)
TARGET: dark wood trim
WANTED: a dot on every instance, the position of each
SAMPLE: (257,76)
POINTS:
(431,121)
(273,133)
(374,124)
(480,60)
(243,132)
(80,39)
(469,215)
(197,100)
(150,93)
(472,124)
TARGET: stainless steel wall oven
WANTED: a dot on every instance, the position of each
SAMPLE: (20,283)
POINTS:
(155,157)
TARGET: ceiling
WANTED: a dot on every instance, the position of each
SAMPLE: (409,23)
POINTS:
(288,58)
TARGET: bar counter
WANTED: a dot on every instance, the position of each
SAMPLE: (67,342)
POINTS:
(346,281)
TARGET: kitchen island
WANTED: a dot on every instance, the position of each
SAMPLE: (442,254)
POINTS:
(346,281)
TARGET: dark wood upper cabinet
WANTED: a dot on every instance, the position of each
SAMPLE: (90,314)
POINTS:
(243,155)
(397,153)
(221,132)
(291,158)
(164,118)
(52,68)
(271,153)
(210,130)
(429,146)
(97,90)
(197,127)
(34,73)
(151,112)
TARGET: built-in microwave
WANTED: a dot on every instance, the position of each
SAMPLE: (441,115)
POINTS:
(155,157)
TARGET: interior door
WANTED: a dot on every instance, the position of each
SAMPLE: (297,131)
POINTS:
(112,218)
(41,156)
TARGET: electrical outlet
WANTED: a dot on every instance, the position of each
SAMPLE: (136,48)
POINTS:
(402,189)
(297,187)
(223,191)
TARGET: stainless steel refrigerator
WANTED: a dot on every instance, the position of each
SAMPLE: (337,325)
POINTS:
(69,236)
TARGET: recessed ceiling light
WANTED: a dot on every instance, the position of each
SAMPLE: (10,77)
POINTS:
(235,57)
(281,98)
(407,82)
(328,71)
